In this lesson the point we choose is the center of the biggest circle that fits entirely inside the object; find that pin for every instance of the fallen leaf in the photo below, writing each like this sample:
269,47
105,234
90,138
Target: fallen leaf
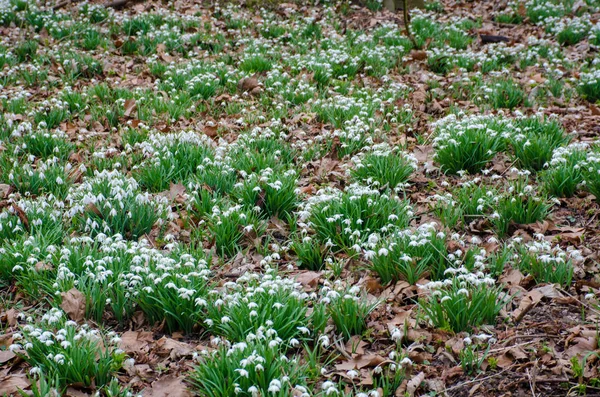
451,373
73,303
423,153
248,84
512,278
583,346
11,384
538,78
550,291
130,106
72,392
5,190
9,317
527,303
91,207
373,285
6,355
309,278
174,349
356,345
414,383
418,55
169,386
136,341
176,192
362,361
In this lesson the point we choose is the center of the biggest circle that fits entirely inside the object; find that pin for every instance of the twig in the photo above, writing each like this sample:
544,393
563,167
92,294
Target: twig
477,380
61,4
407,23
511,346
18,212
510,339
587,306
116,4
531,377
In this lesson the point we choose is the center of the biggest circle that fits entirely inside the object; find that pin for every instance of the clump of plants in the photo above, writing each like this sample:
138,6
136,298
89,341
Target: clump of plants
345,220
535,140
68,354
112,203
565,171
256,302
469,143
463,302
348,307
383,168
409,255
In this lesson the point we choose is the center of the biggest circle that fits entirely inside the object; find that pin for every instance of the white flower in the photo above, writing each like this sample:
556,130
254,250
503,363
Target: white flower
396,335
274,386
243,373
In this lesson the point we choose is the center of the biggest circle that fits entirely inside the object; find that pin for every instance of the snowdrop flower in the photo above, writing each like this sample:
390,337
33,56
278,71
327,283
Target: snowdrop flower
396,335
274,386
352,374
243,373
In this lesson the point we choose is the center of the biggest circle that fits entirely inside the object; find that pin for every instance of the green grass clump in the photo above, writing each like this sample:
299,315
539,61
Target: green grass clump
535,140
76,354
346,220
463,304
112,203
410,255
469,143
384,168
565,170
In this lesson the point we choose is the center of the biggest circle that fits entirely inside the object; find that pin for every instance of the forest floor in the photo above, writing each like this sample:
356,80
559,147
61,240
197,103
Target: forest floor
299,200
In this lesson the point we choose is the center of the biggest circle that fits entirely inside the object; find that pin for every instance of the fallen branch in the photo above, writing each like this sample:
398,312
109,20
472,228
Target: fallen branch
464,384
407,24
488,38
61,5
18,212
116,4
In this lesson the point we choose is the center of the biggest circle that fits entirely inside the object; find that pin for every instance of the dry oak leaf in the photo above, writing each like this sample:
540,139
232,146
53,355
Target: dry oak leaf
309,279
11,384
527,303
136,341
362,361
4,190
6,355
174,349
414,383
169,386
73,303
418,55
130,106
248,84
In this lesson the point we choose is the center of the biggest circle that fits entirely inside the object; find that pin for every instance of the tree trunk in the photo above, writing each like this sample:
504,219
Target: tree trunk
411,4
389,5
393,5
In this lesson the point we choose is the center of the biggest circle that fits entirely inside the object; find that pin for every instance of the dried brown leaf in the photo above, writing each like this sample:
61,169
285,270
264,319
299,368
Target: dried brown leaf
168,386
73,303
11,384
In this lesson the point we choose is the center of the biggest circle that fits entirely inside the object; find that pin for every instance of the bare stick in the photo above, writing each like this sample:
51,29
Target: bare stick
116,4
407,23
